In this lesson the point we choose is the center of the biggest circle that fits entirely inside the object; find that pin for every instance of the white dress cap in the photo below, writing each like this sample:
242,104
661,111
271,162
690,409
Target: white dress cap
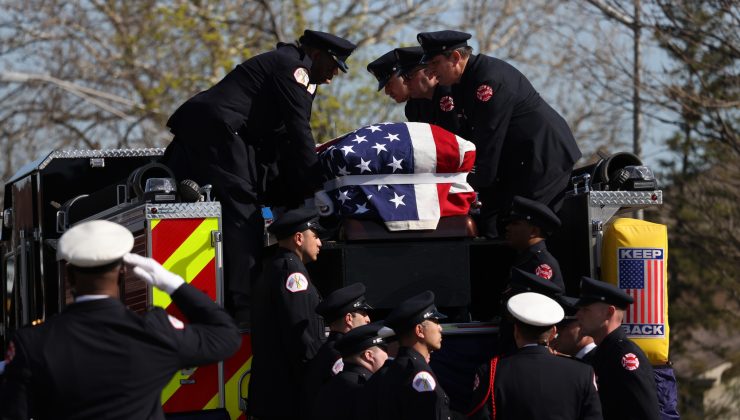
535,309
95,243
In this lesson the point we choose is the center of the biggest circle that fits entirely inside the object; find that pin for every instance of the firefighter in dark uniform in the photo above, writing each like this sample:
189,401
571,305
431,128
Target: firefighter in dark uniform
524,147
286,331
570,340
408,389
98,359
249,136
528,224
363,352
533,383
521,282
343,310
439,106
385,71
623,372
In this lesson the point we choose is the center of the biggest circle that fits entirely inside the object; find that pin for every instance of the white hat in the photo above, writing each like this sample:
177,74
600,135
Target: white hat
535,309
96,243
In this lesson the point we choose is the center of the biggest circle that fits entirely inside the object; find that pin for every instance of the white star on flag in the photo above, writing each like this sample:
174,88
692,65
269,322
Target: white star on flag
359,139
343,171
374,128
392,137
343,196
398,200
380,187
361,208
364,166
396,164
347,150
378,147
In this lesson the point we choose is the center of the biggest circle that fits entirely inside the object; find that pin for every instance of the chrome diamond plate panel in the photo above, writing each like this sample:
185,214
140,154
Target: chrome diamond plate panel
105,153
625,198
183,210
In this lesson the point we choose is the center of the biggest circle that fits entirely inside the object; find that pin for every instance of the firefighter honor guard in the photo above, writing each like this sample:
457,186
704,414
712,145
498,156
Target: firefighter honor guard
249,136
528,224
408,389
286,331
533,383
624,374
98,359
524,147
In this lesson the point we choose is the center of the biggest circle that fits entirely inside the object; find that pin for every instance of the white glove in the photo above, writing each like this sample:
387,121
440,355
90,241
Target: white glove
153,273
323,203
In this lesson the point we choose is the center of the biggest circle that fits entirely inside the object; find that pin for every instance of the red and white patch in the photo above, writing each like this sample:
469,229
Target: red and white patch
301,76
337,367
296,282
423,382
10,353
630,361
484,93
544,271
179,325
446,104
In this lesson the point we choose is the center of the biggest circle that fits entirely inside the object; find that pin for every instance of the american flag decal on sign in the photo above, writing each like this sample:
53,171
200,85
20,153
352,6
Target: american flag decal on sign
641,274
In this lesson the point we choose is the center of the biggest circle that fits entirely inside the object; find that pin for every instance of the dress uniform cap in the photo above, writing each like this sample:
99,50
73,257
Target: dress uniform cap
435,43
523,281
383,68
337,47
534,212
342,301
409,58
95,244
535,309
296,220
413,311
361,338
570,306
593,290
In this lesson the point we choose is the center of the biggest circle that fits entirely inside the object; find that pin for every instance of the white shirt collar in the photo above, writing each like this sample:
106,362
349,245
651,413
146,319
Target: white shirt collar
85,298
587,348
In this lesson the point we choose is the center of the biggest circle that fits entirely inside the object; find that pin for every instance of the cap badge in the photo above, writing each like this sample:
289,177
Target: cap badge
484,93
446,104
424,382
337,367
544,271
427,315
301,76
296,282
630,361
356,304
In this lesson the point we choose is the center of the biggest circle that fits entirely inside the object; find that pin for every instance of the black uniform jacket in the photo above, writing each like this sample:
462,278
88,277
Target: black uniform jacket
625,377
440,110
537,260
286,334
99,360
408,389
338,398
321,369
239,134
523,146
535,384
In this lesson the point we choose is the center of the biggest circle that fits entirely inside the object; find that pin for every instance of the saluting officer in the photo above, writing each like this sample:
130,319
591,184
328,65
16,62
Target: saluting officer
527,225
363,352
439,106
286,331
343,310
524,147
249,136
533,383
98,359
408,389
623,372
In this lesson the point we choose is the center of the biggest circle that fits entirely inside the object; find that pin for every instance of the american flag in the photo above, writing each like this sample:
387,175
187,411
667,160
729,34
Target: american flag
400,148
641,276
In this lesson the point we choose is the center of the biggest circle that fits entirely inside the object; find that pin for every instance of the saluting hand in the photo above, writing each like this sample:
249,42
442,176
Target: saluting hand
153,273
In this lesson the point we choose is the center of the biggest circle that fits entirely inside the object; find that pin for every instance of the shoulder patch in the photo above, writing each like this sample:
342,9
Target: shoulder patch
301,76
630,361
484,93
424,382
544,271
337,367
296,282
446,104
10,353
179,325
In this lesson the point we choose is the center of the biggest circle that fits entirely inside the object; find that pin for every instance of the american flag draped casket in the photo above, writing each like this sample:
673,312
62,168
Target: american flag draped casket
407,175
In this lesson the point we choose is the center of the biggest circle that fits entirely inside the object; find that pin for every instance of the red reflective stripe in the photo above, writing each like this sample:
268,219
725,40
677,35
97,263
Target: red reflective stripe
235,362
197,393
205,281
168,235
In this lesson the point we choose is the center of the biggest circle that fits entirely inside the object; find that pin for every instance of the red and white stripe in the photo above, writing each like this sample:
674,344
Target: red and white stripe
649,301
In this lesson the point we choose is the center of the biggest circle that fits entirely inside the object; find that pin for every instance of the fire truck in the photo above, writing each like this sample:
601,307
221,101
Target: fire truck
182,230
